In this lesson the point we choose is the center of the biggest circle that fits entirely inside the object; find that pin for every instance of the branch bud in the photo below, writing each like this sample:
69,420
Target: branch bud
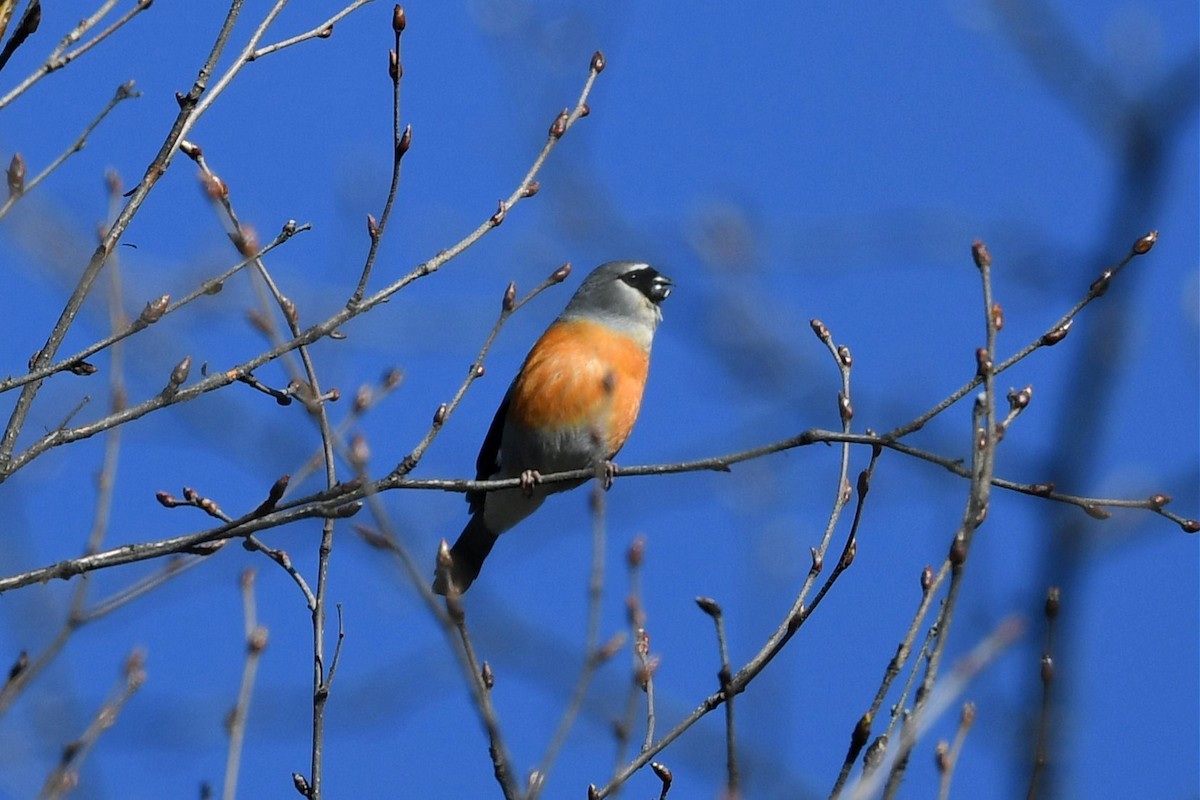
979,252
559,126
16,175
559,275
1143,245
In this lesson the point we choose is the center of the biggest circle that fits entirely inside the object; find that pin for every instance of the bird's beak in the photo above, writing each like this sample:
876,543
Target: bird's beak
660,288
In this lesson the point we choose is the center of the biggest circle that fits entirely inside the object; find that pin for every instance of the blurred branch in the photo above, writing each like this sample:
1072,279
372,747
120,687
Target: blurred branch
154,311
16,192
1041,756
594,654
947,693
256,643
156,169
65,776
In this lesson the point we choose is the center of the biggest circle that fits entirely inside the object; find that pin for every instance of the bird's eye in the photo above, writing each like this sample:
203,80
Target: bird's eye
650,282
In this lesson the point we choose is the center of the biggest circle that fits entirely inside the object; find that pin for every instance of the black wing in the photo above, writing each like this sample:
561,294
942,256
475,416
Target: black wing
488,462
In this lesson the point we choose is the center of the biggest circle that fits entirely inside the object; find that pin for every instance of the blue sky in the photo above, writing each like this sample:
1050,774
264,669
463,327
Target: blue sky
779,163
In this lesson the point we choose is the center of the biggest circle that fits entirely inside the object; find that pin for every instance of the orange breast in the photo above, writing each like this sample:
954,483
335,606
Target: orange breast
582,374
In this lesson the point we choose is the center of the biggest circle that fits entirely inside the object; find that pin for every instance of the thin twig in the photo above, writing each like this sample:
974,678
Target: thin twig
9,463
154,311
942,698
321,31
401,140
985,438
58,59
124,92
256,643
65,776
948,760
593,654
1053,335
1040,756
156,169
725,676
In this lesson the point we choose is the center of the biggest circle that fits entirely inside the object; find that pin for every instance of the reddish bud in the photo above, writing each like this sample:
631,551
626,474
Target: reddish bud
997,316
1019,398
636,552
439,416
180,374
1143,245
191,150
289,310
983,362
405,142
979,252
372,227
399,20
848,554
926,579
16,175
941,756
1101,284
559,126
1053,600
819,329
531,189
958,551
1055,336
501,213
1096,512
845,410
598,62
559,275
1190,525
154,310
1157,501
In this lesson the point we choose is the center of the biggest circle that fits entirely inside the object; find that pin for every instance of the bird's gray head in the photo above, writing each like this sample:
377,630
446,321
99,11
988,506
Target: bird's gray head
624,295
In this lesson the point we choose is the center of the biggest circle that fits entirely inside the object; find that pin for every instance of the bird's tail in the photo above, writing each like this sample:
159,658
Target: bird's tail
466,556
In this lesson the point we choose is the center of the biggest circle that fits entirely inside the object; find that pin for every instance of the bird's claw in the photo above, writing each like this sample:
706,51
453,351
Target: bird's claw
610,472
529,479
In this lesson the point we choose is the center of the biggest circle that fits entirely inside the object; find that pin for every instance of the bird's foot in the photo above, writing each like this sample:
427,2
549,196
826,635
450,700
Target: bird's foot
529,479
610,472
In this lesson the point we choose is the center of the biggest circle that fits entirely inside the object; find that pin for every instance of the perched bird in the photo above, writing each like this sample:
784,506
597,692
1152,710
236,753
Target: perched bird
572,405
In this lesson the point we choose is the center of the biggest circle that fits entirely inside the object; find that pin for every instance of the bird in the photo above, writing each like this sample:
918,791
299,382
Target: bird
572,405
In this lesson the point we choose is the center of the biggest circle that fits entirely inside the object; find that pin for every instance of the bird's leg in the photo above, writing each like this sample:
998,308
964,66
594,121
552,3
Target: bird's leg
529,479
610,472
